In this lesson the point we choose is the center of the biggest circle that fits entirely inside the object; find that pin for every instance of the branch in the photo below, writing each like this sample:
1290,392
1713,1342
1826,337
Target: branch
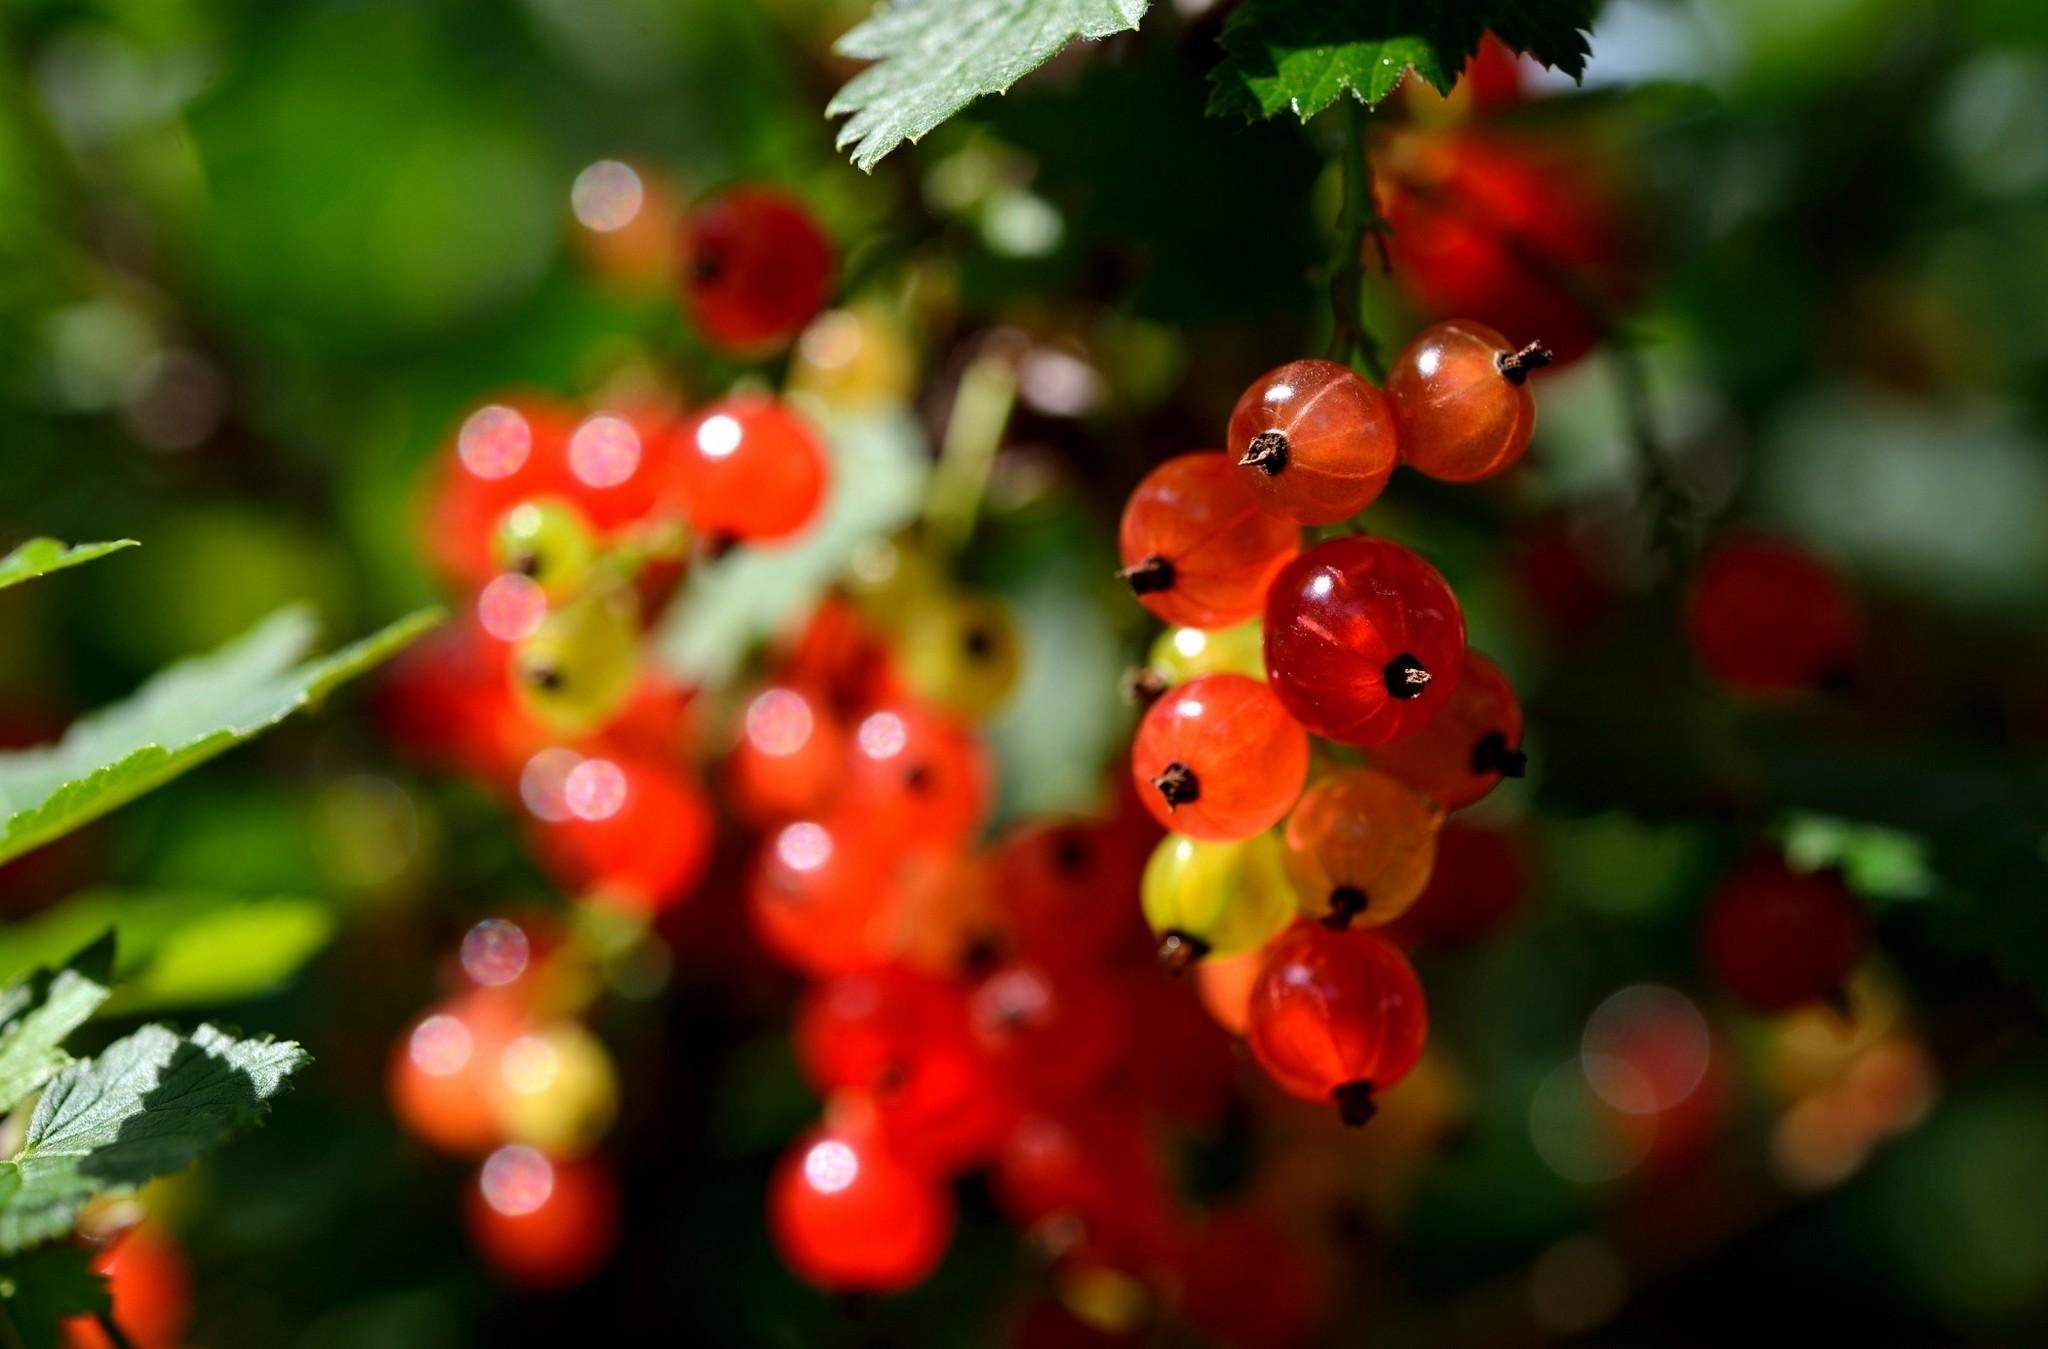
1357,219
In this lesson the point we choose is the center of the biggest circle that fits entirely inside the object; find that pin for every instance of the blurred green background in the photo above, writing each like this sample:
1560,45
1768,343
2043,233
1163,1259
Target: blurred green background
258,259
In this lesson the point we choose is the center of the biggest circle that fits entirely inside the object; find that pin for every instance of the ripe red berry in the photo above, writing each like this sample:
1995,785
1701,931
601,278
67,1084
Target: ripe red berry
820,899
749,468
1360,847
1313,440
915,773
1461,401
635,833
1067,885
1219,758
542,1223
1364,640
508,451
1337,1016
444,1071
1479,877
1464,752
151,1291
755,268
1054,1035
849,1215
1197,548
1766,615
1249,1283
790,760
1087,1181
1779,938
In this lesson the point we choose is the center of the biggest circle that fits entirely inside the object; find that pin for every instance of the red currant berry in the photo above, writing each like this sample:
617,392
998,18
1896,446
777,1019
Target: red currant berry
1360,847
849,1215
1469,747
1067,883
755,268
541,1223
1313,440
1364,641
1225,985
150,1288
1219,758
749,468
1337,1016
1249,1283
506,452
1768,616
635,833
915,773
790,759
1052,1036
443,1074
820,900
1086,1180
1461,400
1479,878
1779,938
1197,549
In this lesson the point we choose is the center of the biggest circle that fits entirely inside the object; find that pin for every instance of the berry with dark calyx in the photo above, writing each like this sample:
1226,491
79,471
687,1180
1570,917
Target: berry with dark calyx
1219,758
1462,402
1337,1017
916,773
1767,616
1197,549
1464,752
1359,847
1779,938
748,468
1364,640
549,541
755,268
577,670
1223,898
1067,885
960,651
1313,441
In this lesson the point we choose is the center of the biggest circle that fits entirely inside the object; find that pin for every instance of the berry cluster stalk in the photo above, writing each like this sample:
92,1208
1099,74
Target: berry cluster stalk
1357,219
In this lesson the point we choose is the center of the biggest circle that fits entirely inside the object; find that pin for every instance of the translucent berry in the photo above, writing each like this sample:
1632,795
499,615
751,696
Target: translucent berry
1197,549
1225,985
960,652
1768,616
1461,400
577,670
150,1287
1464,752
1219,758
755,268
1205,898
1181,654
557,1089
1359,848
748,468
1337,1016
442,1076
849,1216
1779,938
544,1224
1054,1034
1313,440
549,541
1087,1181
915,772
1364,641
790,760
819,900
1067,885
634,832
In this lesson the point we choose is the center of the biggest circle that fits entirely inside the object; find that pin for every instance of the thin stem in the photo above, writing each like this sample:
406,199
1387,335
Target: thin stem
1358,219
1666,500
112,1331
10,1334
974,432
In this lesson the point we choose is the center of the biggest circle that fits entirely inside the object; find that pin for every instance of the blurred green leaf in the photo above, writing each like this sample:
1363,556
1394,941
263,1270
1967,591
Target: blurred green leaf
178,949
182,717
40,557
1299,55
144,1108
44,1288
934,57
38,1011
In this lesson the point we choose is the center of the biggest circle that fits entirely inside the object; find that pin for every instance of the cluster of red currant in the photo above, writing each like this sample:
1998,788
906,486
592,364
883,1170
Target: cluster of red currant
1361,643
563,530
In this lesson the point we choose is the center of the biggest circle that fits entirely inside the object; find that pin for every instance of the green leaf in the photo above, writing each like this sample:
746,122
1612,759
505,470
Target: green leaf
146,1107
1299,55
37,1013
46,1287
182,717
40,557
934,57
177,948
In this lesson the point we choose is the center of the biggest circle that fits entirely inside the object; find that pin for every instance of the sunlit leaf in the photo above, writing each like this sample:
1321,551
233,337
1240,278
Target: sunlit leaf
40,557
